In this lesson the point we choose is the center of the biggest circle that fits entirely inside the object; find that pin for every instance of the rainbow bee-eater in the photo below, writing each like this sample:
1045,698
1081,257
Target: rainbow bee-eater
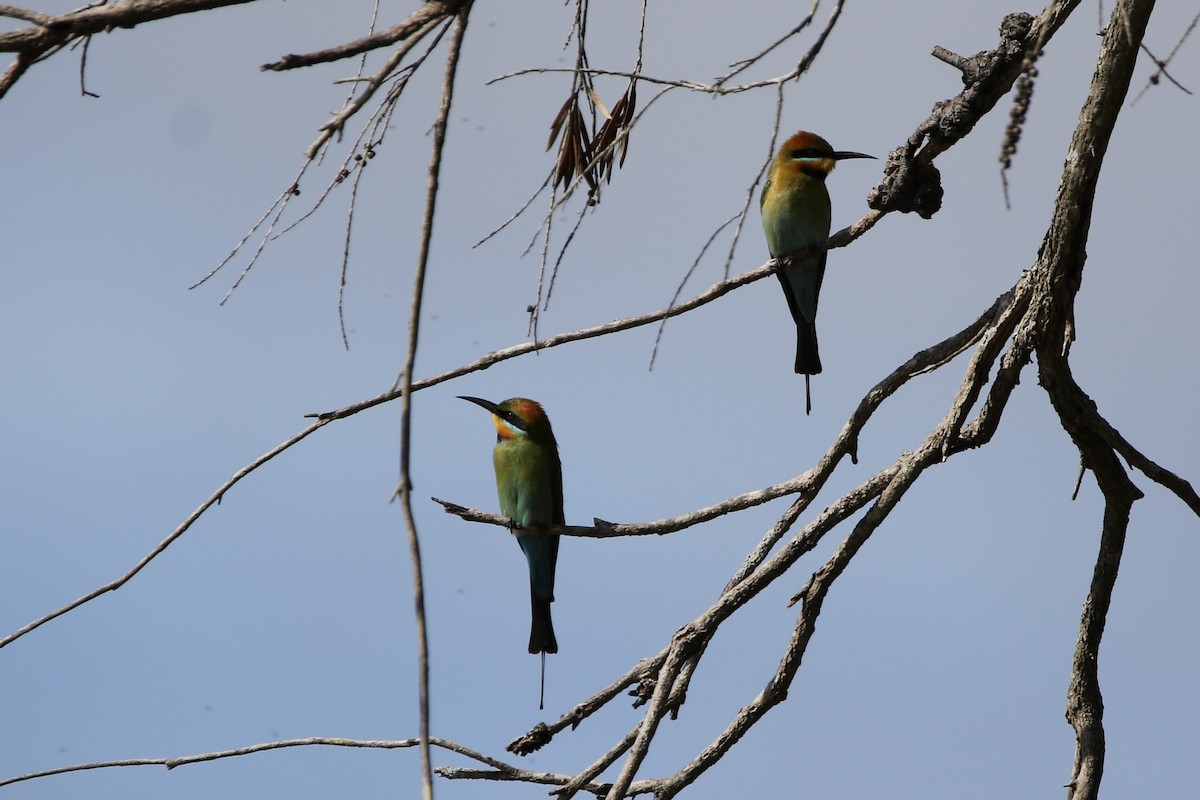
529,482
796,220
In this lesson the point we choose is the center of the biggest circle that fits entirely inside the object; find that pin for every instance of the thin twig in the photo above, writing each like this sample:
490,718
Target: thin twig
51,33
1154,79
337,122
745,63
273,212
416,25
312,741
212,500
686,276
404,490
370,137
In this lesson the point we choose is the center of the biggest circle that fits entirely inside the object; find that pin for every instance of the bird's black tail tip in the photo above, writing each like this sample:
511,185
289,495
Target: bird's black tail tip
541,632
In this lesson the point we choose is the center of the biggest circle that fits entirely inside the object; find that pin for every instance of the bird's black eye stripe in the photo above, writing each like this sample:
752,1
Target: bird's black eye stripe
810,152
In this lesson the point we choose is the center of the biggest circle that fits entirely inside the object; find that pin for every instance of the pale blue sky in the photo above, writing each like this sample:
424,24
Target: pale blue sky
941,659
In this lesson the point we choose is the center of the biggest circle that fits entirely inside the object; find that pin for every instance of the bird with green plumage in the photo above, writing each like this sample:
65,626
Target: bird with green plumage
796,218
529,483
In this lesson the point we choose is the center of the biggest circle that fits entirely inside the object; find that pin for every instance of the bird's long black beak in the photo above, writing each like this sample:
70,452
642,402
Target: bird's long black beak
487,404
843,154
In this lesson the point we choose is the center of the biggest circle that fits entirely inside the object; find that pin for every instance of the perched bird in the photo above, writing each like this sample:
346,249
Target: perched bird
796,220
529,482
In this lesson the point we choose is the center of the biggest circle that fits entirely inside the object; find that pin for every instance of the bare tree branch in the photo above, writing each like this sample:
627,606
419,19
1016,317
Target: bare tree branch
911,182
404,490
1161,73
312,741
1058,275
51,33
213,499
718,87
416,25
28,15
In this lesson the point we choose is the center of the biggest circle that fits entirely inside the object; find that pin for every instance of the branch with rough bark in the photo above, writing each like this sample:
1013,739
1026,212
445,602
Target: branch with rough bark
1058,276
